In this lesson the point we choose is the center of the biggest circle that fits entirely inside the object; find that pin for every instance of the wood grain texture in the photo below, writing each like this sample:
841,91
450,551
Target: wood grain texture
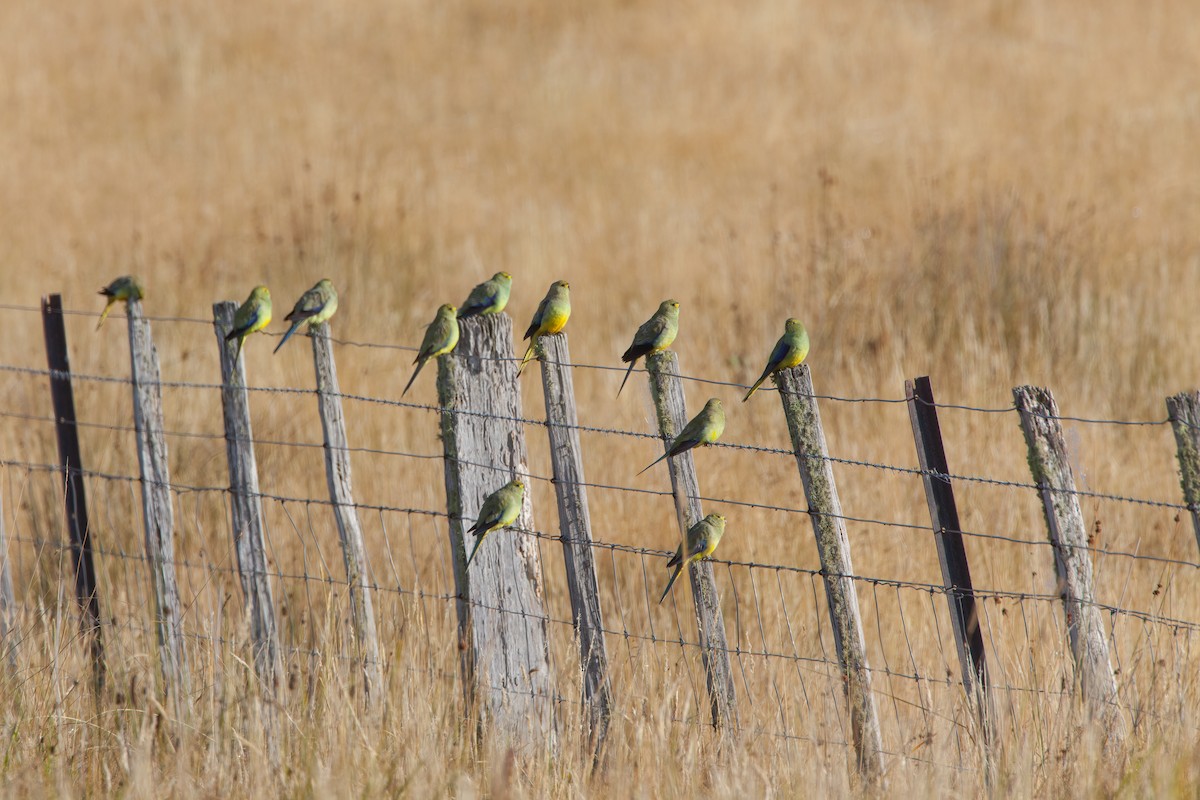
1050,466
833,547
246,515
576,529
666,390
158,514
501,607
339,479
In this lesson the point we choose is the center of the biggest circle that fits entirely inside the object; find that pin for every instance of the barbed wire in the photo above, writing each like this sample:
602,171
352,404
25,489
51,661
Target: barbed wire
633,434
688,378
721,501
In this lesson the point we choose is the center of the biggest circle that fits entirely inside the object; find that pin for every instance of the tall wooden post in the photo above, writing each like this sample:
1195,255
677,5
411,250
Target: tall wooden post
62,398
247,517
952,554
1184,412
341,494
576,528
1050,466
501,612
667,392
833,546
158,516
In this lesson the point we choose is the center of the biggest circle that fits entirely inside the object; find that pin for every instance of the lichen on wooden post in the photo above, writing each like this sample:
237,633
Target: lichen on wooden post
837,570
666,390
1184,412
1050,465
501,611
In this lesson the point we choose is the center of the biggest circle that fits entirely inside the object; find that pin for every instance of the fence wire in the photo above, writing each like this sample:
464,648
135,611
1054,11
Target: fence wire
788,680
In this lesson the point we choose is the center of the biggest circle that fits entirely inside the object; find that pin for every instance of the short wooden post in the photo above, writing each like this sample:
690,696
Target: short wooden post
62,398
341,494
833,545
947,532
666,390
9,636
501,615
158,515
246,512
576,528
1184,412
1050,466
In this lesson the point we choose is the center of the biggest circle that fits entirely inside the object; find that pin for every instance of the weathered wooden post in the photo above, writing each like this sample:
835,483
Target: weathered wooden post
62,398
247,519
8,607
576,528
833,546
158,515
666,390
501,615
952,554
1050,466
1184,412
341,494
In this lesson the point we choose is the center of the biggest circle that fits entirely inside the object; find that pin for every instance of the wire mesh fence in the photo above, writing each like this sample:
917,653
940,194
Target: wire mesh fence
789,683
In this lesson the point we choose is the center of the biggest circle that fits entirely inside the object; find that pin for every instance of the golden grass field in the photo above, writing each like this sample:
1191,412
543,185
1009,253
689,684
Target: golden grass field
993,193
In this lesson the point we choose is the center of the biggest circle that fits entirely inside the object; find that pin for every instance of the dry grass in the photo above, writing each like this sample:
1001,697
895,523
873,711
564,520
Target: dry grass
992,195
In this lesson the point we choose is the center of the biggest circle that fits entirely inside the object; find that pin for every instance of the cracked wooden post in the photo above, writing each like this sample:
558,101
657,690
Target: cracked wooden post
1050,465
62,399
576,528
157,512
833,546
666,390
341,495
952,555
1184,412
247,519
501,613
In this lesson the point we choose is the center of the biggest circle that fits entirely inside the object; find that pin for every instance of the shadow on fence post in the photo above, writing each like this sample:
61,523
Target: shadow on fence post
62,397
1050,466
956,573
667,393
246,517
1184,411
575,525
341,494
833,546
158,515
501,616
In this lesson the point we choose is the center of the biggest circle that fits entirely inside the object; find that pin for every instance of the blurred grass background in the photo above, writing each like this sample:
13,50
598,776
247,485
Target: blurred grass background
990,193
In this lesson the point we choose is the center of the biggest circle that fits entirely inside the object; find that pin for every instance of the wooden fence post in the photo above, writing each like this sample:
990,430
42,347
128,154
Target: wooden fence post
341,493
666,390
833,546
62,398
158,515
246,512
576,528
947,531
1184,411
501,615
8,631
1051,469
